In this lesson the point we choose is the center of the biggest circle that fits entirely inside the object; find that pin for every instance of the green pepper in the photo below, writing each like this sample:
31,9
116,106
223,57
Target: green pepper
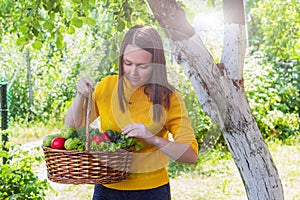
129,142
138,146
118,145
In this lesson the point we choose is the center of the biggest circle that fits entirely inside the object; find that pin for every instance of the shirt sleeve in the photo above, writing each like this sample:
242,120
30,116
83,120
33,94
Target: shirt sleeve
179,124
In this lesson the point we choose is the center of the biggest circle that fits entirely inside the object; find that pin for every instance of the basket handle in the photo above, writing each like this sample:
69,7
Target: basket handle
87,116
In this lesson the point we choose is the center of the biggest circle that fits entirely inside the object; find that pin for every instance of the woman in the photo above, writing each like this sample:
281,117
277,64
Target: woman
142,104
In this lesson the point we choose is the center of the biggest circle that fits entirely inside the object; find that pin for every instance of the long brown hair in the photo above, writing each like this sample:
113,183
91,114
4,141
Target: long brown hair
158,89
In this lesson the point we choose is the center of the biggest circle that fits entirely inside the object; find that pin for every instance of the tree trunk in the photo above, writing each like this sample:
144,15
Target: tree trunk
29,84
220,91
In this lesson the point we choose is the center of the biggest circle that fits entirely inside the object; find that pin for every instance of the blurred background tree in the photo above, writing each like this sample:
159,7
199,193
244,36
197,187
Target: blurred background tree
68,39
274,40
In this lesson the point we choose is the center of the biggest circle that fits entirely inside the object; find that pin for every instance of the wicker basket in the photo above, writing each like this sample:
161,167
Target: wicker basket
87,167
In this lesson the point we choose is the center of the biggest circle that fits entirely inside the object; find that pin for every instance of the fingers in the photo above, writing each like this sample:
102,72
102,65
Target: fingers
88,81
130,130
84,86
138,130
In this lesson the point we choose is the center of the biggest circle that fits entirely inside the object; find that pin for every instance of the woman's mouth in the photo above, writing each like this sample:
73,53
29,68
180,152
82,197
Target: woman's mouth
131,79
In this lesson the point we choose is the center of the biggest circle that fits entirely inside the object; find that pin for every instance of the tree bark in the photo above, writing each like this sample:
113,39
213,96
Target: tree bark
29,84
220,91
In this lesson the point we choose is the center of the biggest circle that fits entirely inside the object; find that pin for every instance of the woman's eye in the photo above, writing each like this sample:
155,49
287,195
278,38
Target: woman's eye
143,66
127,63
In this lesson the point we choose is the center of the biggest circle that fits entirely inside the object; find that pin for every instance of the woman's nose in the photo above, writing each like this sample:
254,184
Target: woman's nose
134,70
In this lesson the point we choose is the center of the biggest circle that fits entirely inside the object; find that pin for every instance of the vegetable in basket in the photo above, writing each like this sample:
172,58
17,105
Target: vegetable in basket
58,143
47,140
68,132
80,132
74,144
111,141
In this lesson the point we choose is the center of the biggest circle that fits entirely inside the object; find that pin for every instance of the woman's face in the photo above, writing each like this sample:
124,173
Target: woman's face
137,65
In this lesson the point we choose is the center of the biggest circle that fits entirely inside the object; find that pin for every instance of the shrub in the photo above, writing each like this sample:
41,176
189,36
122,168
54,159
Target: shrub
17,179
273,94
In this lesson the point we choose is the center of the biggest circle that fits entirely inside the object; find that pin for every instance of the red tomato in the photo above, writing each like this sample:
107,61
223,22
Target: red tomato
97,138
106,137
58,143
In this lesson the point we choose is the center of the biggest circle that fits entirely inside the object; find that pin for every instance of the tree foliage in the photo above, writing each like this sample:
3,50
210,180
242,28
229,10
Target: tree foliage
36,22
274,36
68,39
275,28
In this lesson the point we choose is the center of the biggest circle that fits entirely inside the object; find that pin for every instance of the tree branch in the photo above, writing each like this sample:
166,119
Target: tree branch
175,23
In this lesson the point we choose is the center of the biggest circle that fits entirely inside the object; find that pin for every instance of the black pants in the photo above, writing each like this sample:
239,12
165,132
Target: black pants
159,193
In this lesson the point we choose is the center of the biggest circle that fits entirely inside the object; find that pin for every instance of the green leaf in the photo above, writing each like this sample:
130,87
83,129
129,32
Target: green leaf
48,26
21,41
57,8
120,25
4,154
71,30
60,37
85,7
76,22
52,16
24,29
90,21
92,2
138,146
62,29
37,45
60,44
76,1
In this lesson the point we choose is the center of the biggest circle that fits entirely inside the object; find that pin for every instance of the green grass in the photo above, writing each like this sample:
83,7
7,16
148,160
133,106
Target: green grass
21,131
217,176
214,177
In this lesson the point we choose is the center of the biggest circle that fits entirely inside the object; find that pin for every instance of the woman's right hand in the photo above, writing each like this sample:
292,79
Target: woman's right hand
84,86
75,112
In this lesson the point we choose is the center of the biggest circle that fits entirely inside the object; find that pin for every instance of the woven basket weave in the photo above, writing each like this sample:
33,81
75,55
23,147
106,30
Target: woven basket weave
87,167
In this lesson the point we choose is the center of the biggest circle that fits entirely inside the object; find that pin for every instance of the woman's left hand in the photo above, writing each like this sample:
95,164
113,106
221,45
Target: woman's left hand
178,151
137,130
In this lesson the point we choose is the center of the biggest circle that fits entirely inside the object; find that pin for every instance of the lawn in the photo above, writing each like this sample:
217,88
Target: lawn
216,178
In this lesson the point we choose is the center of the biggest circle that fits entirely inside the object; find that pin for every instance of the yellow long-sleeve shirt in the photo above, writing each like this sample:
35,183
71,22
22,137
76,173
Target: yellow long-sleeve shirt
148,168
